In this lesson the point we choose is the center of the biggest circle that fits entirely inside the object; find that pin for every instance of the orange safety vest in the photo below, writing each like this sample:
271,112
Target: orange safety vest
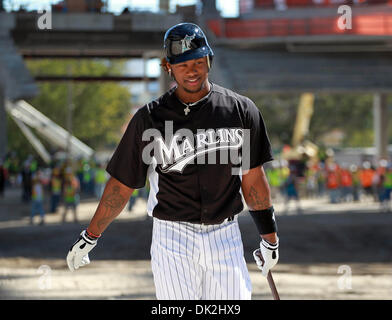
347,180
332,180
366,177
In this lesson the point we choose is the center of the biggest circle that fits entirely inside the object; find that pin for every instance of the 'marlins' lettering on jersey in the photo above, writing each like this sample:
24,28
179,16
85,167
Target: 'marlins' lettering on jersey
180,153
175,152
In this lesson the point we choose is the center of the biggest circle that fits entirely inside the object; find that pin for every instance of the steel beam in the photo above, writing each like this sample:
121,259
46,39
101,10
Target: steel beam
93,78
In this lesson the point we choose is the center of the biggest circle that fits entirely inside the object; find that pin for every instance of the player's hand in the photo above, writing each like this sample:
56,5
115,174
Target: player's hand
78,253
266,256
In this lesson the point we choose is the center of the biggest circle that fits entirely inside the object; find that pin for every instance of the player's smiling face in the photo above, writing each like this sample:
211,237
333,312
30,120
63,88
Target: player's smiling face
192,78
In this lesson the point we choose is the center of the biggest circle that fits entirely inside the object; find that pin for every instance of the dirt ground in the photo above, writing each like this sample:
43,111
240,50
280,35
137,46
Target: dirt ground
340,251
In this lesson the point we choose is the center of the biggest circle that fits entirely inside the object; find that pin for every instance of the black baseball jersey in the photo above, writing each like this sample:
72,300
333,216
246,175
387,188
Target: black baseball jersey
190,153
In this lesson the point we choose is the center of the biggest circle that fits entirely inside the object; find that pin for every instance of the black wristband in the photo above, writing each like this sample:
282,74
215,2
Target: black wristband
265,220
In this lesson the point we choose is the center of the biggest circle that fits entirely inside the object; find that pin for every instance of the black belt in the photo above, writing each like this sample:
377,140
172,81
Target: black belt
230,218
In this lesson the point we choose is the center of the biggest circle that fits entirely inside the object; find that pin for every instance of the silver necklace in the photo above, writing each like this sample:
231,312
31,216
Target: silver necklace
187,109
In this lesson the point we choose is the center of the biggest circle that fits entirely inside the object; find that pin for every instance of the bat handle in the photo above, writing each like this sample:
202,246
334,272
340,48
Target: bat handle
271,282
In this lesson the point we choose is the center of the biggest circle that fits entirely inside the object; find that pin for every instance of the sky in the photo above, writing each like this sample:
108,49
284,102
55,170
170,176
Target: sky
228,8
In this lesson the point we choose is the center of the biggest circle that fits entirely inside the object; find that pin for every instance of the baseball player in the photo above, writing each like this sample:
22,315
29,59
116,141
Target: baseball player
186,142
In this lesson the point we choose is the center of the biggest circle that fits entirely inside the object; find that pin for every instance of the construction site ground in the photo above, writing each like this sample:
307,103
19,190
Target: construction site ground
329,251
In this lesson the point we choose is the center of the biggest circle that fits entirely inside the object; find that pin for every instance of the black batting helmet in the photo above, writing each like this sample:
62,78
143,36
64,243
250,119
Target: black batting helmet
186,41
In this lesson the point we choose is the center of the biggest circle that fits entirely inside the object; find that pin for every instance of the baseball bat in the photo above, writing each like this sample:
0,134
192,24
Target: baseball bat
271,281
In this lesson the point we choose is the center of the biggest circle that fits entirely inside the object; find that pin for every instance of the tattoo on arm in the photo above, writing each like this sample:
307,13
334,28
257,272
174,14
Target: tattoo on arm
256,202
113,204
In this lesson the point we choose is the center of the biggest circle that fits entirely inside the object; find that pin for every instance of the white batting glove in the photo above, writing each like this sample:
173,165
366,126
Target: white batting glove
78,253
266,256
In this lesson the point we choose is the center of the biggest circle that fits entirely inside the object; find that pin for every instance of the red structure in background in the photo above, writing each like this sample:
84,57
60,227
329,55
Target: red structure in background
246,6
78,6
373,24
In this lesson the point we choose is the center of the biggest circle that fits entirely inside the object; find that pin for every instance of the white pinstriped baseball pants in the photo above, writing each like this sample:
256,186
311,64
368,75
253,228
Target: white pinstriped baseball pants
193,261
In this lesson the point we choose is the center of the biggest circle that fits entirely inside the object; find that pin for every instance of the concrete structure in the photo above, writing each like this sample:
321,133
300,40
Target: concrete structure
15,80
209,7
380,110
263,51
77,35
358,155
53,133
91,34
3,125
304,50
255,70
164,5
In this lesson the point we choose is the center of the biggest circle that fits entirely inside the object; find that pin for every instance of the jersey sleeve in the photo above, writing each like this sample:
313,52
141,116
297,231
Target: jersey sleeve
259,146
126,164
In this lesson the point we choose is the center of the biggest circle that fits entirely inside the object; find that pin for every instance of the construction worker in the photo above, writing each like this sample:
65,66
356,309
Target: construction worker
346,181
291,191
385,200
366,176
3,178
86,178
333,182
132,199
26,176
100,178
37,197
55,189
378,181
70,194
356,181
321,179
274,178
311,180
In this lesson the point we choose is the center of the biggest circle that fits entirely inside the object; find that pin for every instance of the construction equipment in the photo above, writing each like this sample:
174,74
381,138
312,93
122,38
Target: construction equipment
300,146
25,114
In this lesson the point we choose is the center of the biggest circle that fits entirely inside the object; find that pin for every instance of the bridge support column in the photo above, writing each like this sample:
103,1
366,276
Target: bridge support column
209,6
3,124
380,111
